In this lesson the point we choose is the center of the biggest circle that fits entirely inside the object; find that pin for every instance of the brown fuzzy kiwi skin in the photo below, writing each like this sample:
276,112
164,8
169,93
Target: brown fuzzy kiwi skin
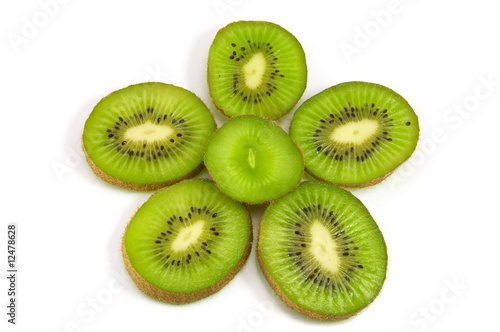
353,185
359,185
178,297
279,116
134,186
265,201
292,305
271,119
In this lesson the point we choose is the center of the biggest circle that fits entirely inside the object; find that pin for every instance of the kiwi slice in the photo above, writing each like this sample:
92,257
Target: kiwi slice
253,160
322,252
147,136
355,134
256,67
186,242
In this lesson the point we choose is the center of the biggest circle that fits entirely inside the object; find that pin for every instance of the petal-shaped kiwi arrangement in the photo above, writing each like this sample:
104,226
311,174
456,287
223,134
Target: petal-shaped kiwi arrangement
319,248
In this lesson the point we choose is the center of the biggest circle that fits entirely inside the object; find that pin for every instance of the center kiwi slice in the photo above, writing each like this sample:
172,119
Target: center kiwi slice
322,252
253,160
147,136
186,242
355,134
256,67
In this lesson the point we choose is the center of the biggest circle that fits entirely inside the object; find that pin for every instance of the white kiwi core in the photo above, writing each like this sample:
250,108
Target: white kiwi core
149,132
323,247
357,132
188,236
254,70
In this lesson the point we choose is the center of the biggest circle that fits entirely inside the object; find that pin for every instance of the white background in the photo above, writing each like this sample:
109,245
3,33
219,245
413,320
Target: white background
438,212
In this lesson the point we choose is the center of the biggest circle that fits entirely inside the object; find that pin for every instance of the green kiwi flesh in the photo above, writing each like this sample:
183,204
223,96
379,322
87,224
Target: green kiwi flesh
354,134
253,160
256,67
186,242
147,135
322,252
